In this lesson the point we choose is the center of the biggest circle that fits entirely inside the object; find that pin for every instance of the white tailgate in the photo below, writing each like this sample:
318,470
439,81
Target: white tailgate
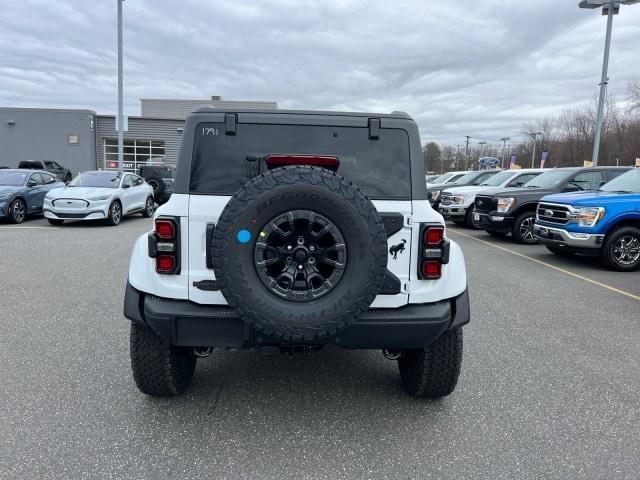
399,258
203,209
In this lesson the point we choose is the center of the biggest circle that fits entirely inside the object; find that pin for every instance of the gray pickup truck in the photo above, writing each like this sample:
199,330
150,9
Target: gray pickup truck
50,166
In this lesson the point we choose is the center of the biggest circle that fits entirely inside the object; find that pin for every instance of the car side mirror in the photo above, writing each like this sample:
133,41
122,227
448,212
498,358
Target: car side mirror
31,184
126,186
601,183
571,188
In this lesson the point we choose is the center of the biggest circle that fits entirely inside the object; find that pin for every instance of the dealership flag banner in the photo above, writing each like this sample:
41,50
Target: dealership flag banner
543,158
513,162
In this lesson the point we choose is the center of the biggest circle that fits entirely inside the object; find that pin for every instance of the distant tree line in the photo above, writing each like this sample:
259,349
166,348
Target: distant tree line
568,138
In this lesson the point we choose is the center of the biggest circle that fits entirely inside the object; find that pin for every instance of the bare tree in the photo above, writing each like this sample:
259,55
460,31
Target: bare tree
634,94
432,157
569,138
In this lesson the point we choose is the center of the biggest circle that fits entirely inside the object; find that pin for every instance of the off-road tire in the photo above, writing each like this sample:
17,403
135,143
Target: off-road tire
607,254
517,223
433,372
159,369
148,208
17,211
559,251
112,218
274,193
55,221
496,233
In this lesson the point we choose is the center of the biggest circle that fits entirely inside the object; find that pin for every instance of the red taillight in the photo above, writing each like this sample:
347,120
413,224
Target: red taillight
431,269
164,245
165,229
434,252
325,161
165,263
433,236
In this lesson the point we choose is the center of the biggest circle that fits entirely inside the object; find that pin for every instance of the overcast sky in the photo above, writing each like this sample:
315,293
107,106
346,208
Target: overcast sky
475,67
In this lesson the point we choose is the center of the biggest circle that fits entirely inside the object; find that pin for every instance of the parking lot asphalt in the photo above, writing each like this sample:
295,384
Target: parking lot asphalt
550,386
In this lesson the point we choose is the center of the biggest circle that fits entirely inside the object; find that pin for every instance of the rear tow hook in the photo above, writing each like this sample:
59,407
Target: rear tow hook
202,352
392,354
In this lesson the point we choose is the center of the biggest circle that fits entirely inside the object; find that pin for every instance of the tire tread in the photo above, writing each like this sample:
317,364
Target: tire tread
159,369
433,372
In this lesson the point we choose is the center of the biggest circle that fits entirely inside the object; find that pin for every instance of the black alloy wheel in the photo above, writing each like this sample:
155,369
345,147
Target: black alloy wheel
621,249
626,250
149,208
522,230
115,214
17,211
300,255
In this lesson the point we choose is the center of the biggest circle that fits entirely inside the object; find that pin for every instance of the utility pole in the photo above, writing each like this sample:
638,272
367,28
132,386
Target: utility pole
457,155
504,146
120,94
466,154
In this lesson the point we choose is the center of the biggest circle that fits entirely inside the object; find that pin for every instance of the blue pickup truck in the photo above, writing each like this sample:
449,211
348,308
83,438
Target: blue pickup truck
604,223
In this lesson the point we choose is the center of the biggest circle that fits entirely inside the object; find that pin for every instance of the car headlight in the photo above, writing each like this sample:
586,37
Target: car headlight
97,199
435,195
459,199
504,204
589,216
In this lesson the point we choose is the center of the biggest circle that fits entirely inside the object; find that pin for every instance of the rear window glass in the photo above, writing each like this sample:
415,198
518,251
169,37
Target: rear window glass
381,168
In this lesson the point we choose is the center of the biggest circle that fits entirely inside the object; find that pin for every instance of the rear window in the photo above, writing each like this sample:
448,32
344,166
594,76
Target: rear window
29,164
220,165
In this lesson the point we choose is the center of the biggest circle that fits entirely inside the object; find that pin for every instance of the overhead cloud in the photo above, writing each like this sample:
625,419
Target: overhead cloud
469,67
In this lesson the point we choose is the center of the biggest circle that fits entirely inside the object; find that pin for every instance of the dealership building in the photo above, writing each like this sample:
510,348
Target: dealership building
84,140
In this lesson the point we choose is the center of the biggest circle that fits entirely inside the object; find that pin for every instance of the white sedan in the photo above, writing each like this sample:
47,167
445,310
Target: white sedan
99,195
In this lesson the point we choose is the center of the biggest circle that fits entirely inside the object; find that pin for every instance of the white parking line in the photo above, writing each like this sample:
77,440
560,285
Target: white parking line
29,228
549,265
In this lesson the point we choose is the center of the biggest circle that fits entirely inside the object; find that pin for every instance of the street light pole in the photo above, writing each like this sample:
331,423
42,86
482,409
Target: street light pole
533,154
120,92
603,84
610,7
504,146
466,154
482,144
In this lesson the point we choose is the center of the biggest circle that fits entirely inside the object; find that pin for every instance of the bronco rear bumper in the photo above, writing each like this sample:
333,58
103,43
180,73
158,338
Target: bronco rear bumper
184,323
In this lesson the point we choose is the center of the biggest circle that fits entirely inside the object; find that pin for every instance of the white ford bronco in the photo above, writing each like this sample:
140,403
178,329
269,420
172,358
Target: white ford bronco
291,230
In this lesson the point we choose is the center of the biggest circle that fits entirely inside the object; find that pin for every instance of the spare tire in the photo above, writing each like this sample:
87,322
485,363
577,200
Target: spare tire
300,253
157,184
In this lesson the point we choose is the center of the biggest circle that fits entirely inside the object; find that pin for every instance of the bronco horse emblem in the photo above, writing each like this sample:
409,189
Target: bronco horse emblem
396,249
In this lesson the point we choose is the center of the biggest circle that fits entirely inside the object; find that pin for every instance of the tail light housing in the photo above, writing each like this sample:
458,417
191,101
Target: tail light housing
164,245
434,251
